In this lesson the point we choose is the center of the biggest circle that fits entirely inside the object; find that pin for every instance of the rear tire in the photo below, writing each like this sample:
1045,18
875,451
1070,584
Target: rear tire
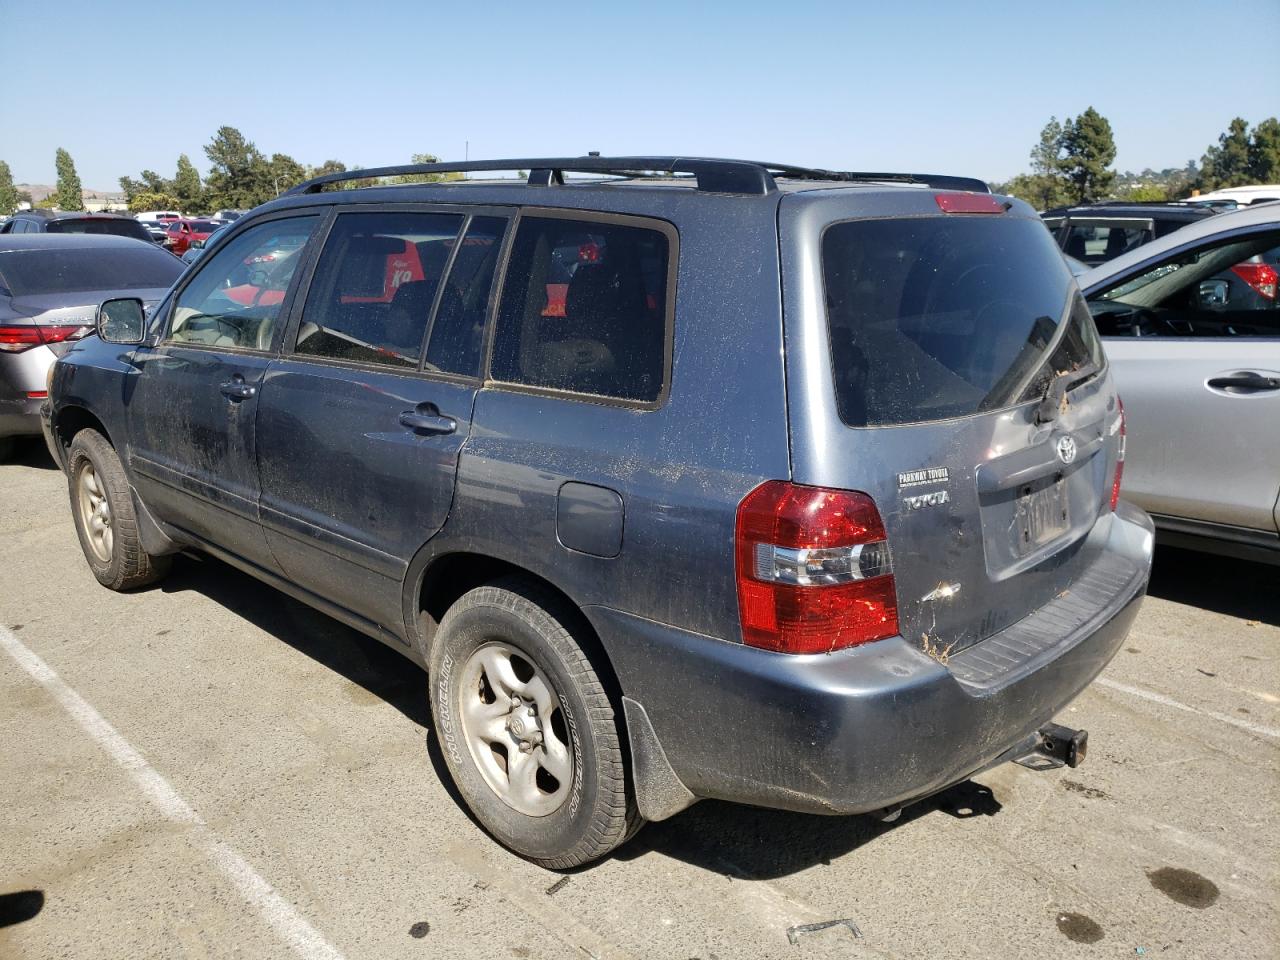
527,730
6,448
105,520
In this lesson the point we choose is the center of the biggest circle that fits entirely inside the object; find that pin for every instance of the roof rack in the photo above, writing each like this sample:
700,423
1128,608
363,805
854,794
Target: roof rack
712,175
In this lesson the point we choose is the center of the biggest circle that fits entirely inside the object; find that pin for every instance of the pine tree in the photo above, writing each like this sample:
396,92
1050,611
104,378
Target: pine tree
8,192
68,195
1089,149
1264,152
187,187
1227,163
236,171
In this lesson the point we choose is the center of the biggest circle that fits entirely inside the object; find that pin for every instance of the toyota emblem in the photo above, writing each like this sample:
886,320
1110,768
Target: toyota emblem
1066,449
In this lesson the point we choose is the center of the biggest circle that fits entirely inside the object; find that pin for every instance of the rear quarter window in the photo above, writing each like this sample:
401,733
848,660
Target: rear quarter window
585,308
932,318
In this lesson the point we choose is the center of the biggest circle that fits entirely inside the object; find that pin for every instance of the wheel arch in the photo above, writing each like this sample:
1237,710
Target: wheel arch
71,419
437,581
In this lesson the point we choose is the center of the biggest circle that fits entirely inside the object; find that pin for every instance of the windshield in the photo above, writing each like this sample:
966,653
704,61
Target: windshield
939,317
35,272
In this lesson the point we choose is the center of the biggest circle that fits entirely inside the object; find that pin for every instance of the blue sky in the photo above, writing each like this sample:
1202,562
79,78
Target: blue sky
938,87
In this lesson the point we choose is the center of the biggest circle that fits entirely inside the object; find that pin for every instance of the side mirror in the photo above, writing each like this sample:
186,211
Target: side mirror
122,321
197,244
1212,294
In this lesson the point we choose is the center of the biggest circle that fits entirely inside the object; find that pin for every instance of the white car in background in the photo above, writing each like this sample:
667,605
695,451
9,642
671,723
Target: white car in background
1191,325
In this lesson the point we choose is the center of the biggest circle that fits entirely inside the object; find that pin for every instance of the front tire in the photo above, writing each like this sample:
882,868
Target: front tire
104,516
526,728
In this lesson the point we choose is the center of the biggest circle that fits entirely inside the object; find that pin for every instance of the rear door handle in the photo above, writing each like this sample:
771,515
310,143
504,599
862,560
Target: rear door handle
1245,382
237,389
429,420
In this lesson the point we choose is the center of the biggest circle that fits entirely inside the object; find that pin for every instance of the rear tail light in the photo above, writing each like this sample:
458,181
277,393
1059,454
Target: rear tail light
813,569
18,339
1115,481
1261,277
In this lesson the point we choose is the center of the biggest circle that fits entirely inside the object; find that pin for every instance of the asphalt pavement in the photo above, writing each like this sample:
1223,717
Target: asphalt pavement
209,769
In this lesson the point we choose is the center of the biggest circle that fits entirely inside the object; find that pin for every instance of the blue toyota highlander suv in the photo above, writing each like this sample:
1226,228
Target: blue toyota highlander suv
691,478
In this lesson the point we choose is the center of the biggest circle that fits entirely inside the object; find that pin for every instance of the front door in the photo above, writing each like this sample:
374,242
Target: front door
363,417
1194,340
193,415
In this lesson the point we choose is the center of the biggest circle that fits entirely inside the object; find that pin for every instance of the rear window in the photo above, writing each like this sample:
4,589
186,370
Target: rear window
203,226
34,272
114,228
939,317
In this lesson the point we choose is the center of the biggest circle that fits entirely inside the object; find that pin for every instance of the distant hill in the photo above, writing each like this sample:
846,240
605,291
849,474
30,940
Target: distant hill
39,191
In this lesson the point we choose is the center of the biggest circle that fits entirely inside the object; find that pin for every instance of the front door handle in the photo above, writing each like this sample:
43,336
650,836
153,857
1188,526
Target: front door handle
427,418
237,389
1244,382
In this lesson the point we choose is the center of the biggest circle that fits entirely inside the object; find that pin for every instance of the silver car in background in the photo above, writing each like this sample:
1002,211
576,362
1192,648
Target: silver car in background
50,286
1191,325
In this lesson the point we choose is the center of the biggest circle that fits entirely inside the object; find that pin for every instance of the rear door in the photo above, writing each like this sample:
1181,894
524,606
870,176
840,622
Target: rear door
1194,340
363,417
920,344
194,406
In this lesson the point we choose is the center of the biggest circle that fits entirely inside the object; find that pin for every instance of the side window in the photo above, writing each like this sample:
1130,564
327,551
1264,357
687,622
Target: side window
235,298
457,333
374,286
1223,289
584,309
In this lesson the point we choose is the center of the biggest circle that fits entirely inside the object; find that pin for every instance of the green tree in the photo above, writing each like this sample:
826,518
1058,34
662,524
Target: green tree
69,195
1088,149
187,187
427,177
1047,185
281,172
148,182
1227,163
237,171
1264,152
8,192
153,201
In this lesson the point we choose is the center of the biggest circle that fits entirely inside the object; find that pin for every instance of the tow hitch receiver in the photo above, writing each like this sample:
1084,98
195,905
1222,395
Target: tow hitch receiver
1057,745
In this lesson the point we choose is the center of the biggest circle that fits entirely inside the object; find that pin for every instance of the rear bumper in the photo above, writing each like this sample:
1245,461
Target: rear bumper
19,418
873,726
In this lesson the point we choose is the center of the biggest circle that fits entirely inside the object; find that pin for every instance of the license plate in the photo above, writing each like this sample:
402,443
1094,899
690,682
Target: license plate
1042,514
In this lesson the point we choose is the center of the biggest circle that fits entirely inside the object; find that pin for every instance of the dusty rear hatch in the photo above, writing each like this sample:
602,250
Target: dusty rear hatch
921,347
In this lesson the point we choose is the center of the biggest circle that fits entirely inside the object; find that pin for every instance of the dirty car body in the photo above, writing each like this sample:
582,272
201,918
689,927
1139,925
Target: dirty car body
810,512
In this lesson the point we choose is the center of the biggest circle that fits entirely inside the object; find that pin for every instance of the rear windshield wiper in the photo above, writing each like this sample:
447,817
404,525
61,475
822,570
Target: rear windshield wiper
1056,389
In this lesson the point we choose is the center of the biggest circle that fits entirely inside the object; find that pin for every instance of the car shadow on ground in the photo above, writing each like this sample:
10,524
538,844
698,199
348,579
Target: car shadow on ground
1237,588
363,660
31,452
733,840
750,843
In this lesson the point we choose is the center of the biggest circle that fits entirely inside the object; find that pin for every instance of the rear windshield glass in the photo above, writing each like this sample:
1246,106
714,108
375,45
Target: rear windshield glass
115,228
203,226
34,272
939,317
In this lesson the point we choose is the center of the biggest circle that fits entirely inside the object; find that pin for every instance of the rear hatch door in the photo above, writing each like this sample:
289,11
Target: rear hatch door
945,364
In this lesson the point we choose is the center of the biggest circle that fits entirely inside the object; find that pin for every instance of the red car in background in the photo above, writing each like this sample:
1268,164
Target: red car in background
179,233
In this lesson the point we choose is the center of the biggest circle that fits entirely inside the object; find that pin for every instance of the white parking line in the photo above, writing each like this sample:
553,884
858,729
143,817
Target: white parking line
279,914
1160,698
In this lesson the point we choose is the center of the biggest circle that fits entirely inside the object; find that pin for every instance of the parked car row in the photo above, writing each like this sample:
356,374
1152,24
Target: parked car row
168,228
